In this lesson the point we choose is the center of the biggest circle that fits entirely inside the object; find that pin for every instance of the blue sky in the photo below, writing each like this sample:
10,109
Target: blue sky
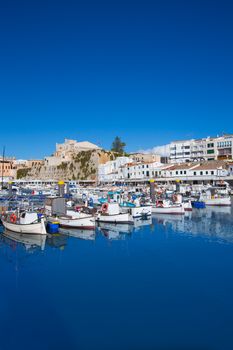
148,71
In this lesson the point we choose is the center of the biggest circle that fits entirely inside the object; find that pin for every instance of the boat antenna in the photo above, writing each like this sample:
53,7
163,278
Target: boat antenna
3,162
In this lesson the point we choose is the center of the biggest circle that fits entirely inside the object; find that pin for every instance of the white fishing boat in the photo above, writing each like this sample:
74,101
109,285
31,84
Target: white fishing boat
73,219
216,200
219,201
111,213
137,211
26,222
164,206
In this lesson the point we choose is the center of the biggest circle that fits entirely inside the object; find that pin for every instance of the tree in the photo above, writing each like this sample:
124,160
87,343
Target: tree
118,145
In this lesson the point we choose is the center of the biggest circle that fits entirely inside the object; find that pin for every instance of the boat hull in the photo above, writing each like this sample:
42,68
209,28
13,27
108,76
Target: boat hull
187,206
35,229
115,219
218,202
168,210
138,212
86,223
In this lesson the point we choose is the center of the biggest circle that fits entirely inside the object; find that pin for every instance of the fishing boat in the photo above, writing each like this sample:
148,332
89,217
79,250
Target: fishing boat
165,206
74,219
26,222
137,211
216,200
111,213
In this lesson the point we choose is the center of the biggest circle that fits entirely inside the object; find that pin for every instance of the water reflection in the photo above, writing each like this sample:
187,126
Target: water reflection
88,235
214,222
116,231
57,240
139,223
30,242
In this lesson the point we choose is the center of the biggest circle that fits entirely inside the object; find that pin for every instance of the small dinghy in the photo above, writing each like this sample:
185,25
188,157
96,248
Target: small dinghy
26,222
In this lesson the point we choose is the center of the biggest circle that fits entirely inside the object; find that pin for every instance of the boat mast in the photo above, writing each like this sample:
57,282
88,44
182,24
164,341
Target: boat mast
3,162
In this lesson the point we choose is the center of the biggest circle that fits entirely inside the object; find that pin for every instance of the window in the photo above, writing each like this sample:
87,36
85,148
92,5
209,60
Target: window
212,172
206,172
210,151
201,172
210,145
194,173
176,172
185,172
181,172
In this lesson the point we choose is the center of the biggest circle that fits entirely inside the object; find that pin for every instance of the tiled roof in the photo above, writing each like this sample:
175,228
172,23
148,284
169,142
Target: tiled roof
211,165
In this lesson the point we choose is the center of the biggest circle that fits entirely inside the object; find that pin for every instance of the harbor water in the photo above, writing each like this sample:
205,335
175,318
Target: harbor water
165,283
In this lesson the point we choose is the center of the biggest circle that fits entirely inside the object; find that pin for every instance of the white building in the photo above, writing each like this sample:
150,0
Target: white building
207,169
113,170
210,148
142,170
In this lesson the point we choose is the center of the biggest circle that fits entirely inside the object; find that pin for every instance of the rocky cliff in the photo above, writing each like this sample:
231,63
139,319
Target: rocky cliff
82,166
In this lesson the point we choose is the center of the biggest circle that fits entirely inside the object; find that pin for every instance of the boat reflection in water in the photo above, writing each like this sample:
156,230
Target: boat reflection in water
115,231
214,222
138,223
57,240
31,242
88,235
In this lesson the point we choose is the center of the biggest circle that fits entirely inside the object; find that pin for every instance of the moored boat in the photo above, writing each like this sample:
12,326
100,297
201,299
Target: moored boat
73,219
164,206
110,213
217,200
26,222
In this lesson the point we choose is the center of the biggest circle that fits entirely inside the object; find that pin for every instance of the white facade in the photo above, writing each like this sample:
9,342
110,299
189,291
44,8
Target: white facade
123,170
113,170
145,170
188,150
214,148
206,169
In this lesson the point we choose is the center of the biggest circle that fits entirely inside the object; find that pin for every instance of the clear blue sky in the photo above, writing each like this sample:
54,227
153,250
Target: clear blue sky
148,71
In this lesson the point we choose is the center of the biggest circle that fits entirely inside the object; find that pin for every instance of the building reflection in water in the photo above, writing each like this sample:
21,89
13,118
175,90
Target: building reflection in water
214,222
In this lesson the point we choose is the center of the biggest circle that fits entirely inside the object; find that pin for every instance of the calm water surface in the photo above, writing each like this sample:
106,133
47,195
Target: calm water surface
166,284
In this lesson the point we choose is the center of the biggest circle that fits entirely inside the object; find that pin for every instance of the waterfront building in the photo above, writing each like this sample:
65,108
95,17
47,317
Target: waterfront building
142,170
124,171
113,170
206,149
186,171
124,168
